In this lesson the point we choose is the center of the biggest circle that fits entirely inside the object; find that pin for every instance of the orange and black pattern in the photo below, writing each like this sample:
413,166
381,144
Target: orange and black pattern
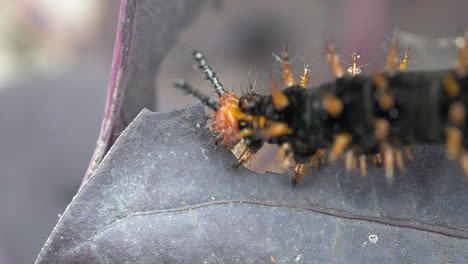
360,117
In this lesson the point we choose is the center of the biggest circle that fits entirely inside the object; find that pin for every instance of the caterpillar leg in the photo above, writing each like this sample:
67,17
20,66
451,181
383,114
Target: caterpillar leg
388,161
334,60
342,140
318,158
453,131
248,147
464,163
363,165
301,167
244,157
377,159
284,158
299,170
388,158
350,161
408,153
251,142
400,163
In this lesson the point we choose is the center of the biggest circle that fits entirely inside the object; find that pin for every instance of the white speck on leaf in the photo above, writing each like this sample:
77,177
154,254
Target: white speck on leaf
298,258
373,238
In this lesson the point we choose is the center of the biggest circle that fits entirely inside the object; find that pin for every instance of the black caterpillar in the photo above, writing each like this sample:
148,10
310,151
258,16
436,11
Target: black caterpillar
375,116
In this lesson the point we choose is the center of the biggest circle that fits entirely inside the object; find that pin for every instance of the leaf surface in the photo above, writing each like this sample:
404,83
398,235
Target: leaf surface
163,195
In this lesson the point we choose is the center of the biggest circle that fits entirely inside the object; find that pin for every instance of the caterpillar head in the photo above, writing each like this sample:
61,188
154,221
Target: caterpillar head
227,110
249,102
225,120
233,109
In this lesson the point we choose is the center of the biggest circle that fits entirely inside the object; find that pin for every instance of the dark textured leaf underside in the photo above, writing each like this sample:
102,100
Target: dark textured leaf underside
162,195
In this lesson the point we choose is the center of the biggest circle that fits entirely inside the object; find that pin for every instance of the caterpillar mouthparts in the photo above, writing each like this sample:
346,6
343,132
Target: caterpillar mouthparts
374,116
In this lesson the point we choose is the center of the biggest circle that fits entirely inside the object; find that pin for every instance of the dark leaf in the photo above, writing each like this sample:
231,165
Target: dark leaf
162,195
146,32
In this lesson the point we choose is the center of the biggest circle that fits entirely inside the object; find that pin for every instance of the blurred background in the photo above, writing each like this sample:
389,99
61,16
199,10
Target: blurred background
55,58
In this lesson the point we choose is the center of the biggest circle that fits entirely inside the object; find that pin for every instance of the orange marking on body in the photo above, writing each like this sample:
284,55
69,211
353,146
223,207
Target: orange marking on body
386,101
262,121
246,132
379,80
225,120
451,86
332,104
280,101
245,117
457,113
381,128
384,98
276,129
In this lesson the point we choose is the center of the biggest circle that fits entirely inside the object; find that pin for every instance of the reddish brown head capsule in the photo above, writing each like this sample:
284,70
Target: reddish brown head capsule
225,121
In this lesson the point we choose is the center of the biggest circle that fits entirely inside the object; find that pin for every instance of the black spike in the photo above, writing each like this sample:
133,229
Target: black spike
210,74
205,99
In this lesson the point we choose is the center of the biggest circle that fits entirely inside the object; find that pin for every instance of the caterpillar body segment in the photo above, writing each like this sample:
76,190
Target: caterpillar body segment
362,117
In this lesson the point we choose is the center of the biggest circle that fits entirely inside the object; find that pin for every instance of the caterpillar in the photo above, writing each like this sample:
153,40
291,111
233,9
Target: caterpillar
362,117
